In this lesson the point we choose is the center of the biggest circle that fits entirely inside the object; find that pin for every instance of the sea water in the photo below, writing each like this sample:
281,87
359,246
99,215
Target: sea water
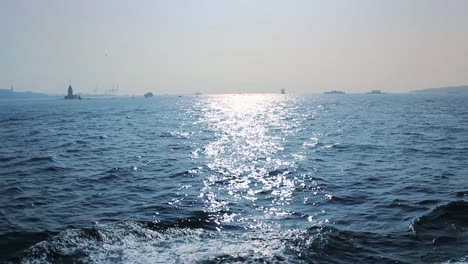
235,178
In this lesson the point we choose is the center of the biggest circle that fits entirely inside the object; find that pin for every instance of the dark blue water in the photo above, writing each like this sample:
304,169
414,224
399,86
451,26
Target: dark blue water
235,178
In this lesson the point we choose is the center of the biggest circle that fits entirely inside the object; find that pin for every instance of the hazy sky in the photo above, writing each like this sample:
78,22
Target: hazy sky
217,46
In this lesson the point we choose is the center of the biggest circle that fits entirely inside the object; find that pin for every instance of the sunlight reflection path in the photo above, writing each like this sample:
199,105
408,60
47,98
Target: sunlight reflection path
250,169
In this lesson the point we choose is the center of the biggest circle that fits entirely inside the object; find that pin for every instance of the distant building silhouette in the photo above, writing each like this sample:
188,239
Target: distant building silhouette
70,94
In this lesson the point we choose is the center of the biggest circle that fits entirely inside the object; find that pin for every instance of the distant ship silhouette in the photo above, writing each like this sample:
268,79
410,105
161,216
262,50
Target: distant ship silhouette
147,95
335,92
283,91
375,92
71,95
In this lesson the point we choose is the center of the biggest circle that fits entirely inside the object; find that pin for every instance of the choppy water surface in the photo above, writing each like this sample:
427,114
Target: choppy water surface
235,178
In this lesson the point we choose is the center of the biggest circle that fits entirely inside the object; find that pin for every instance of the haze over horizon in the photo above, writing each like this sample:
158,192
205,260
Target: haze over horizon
232,46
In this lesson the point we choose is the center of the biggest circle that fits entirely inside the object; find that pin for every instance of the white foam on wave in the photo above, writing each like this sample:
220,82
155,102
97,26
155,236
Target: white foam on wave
463,260
130,242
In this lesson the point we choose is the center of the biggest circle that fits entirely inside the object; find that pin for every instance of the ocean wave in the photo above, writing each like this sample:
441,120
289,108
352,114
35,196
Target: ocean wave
14,119
6,159
113,175
462,260
463,194
443,222
12,244
197,239
51,169
145,242
41,159
149,242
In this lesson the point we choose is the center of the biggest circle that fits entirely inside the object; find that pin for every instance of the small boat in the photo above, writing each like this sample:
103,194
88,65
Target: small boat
148,95
283,91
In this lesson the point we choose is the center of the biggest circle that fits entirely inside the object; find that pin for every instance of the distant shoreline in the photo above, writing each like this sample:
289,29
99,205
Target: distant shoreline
9,94
463,89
